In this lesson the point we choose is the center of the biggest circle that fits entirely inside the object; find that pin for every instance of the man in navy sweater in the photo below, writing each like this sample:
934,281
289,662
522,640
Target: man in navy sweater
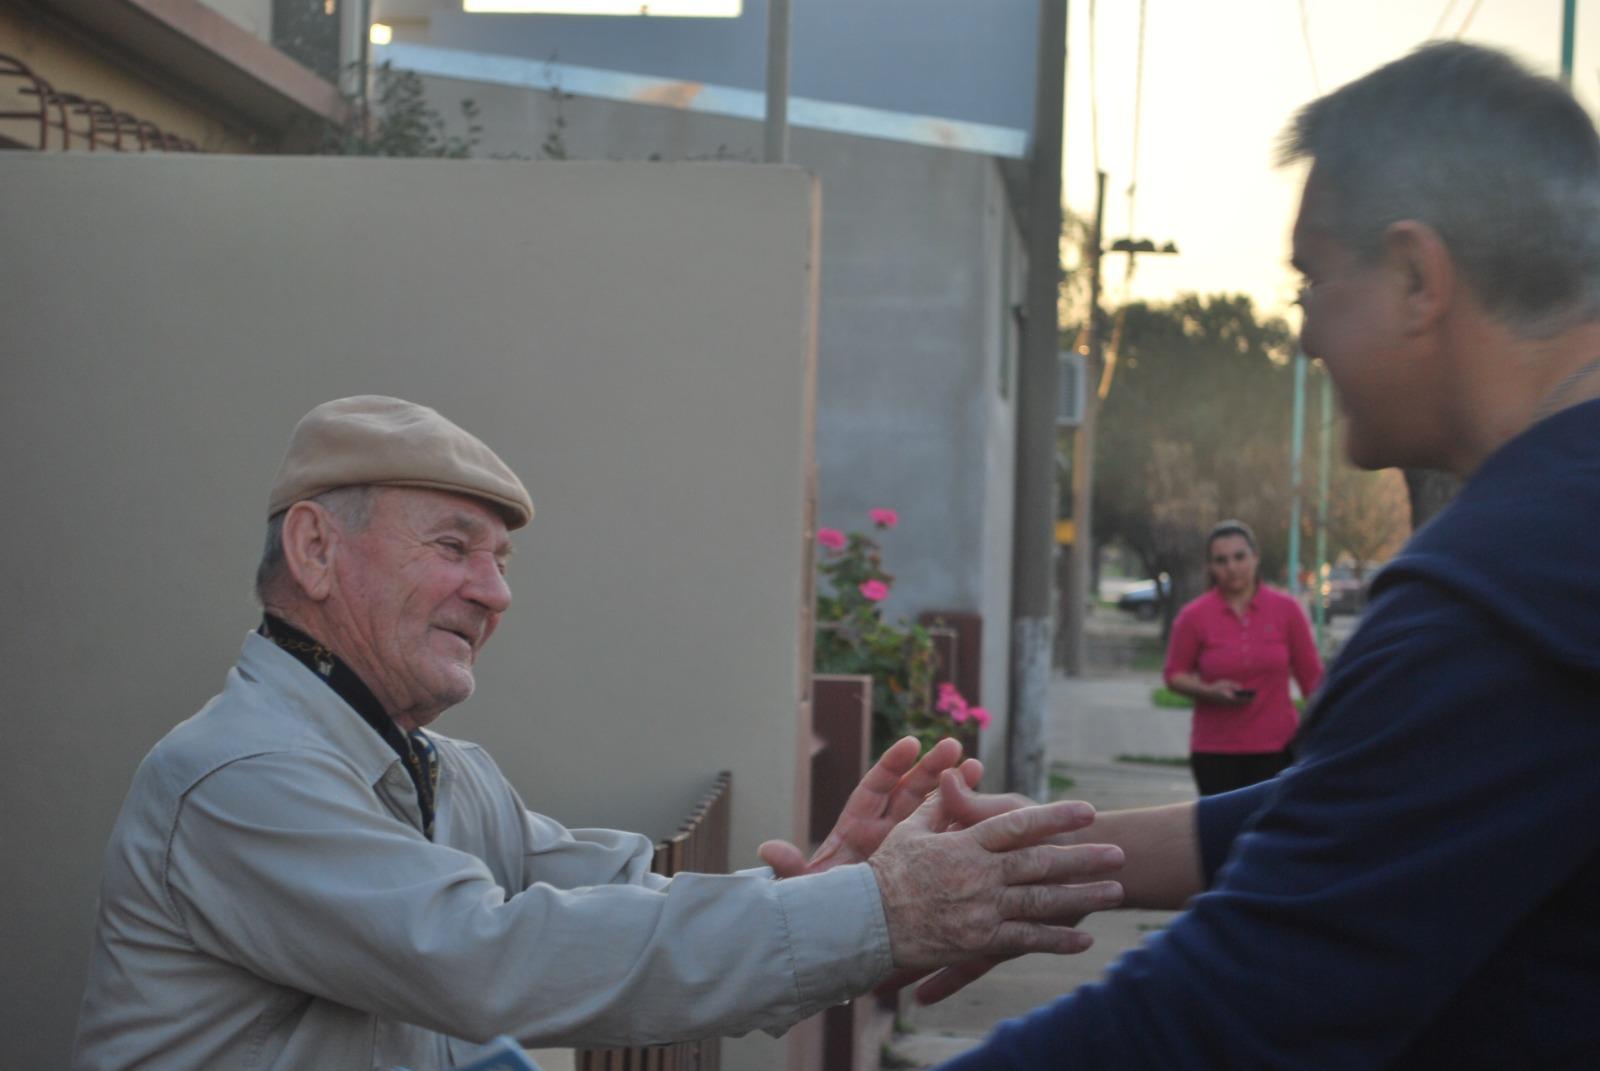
1422,888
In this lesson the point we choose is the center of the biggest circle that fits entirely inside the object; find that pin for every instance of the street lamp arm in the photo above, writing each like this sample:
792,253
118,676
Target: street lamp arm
1141,245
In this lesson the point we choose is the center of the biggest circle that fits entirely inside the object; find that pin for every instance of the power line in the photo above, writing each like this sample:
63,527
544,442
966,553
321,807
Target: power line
1305,34
1109,353
1133,165
1476,4
1094,95
1444,16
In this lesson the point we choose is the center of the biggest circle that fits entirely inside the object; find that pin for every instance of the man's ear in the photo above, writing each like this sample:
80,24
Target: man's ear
1424,271
310,541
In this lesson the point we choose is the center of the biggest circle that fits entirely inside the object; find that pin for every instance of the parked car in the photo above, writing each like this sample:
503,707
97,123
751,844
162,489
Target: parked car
1144,599
1343,592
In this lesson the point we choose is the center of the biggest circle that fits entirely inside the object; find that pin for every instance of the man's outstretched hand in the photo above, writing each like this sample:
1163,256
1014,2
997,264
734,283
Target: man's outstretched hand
961,807
994,889
895,787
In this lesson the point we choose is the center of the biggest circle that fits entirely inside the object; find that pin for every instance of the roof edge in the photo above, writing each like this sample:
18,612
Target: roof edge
195,45
959,135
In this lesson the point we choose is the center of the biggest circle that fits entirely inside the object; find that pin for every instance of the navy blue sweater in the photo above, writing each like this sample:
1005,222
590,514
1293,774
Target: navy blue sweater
1422,888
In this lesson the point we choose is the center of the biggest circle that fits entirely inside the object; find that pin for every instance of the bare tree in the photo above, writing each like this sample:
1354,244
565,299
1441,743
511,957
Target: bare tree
1430,492
1368,514
1184,504
1208,373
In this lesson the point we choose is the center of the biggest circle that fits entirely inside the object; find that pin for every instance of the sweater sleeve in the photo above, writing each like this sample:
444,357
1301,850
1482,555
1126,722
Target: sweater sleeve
1218,820
1378,878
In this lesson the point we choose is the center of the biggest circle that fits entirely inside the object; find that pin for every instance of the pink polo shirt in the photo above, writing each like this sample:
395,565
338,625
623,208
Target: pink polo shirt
1257,649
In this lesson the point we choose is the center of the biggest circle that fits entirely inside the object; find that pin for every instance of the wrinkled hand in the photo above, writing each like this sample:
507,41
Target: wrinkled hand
994,889
894,788
962,807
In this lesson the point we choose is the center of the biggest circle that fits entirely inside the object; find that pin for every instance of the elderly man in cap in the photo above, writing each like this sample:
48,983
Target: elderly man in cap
305,875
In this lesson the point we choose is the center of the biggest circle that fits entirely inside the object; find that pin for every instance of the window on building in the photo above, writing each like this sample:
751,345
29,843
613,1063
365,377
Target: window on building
308,31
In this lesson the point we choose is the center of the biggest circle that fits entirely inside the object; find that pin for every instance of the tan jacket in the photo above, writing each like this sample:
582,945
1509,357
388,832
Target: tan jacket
269,901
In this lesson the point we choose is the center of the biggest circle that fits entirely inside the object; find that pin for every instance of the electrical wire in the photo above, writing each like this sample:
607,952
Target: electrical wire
1444,16
1311,56
1110,351
1138,119
1473,10
1094,95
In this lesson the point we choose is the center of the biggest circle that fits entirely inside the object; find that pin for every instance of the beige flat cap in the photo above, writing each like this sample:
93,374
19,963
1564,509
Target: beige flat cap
387,442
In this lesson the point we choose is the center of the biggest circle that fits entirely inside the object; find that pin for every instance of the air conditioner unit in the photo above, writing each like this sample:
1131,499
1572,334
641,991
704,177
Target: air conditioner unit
1070,394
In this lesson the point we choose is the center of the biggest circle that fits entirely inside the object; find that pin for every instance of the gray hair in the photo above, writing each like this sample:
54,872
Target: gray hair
350,506
1503,163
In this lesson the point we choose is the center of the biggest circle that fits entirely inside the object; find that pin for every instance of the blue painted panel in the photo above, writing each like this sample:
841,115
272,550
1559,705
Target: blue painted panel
968,60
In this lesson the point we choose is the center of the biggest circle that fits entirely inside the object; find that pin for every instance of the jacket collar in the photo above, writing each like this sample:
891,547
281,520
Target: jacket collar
308,707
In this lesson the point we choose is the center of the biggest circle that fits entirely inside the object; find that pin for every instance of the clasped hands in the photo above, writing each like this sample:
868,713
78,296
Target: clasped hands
968,880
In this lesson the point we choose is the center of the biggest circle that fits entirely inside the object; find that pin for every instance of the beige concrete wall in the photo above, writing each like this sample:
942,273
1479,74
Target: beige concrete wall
635,339
918,344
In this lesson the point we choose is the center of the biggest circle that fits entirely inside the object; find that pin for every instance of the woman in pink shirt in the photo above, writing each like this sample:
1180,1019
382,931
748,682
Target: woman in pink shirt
1232,652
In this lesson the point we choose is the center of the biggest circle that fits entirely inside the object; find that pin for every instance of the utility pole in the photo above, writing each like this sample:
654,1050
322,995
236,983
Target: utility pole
776,133
1038,372
1297,490
1297,481
1078,594
1326,450
1080,564
1569,19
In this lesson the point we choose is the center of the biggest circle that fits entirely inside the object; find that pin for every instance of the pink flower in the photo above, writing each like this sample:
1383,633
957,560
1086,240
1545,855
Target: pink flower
874,590
980,716
884,517
831,538
951,702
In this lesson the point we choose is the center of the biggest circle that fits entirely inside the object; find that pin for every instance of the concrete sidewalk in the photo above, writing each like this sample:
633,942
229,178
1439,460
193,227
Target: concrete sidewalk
1093,720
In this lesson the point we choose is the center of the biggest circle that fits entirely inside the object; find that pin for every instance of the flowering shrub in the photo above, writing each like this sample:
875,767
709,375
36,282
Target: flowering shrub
853,637
831,538
953,703
873,590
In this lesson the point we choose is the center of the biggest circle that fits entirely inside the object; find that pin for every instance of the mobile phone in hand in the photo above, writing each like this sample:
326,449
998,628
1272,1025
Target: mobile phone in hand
1246,694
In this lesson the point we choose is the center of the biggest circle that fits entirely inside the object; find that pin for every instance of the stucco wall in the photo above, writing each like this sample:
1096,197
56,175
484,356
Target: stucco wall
916,380
634,339
922,268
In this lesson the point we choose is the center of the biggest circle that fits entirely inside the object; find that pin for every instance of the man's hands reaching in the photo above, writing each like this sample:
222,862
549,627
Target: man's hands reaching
943,896
993,889
894,788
